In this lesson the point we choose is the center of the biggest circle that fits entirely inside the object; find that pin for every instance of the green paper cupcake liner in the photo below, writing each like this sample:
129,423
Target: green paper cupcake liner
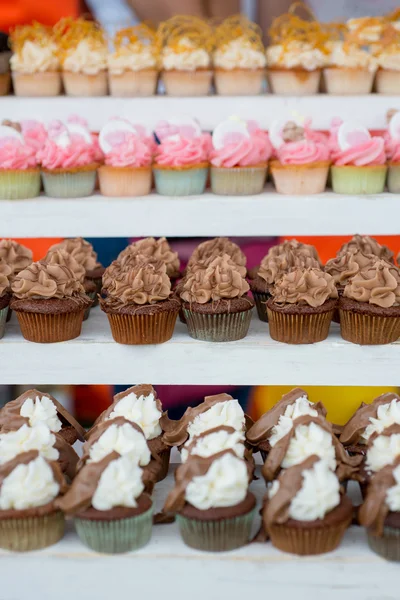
387,545
216,536
3,319
18,185
260,299
115,537
358,180
77,184
393,180
226,327
180,182
238,181
92,296
31,533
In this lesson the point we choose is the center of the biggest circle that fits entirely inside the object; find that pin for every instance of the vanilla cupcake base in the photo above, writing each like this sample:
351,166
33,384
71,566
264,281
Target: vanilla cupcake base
187,83
344,81
293,82
300,179
81,84
124,181
239,82
133,83
47,83
387,82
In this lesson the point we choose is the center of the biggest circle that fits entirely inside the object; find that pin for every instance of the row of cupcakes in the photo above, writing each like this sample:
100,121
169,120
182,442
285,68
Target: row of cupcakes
236,158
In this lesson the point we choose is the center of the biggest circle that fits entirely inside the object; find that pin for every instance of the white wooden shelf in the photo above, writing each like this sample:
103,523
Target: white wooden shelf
267,214
94,358
369,110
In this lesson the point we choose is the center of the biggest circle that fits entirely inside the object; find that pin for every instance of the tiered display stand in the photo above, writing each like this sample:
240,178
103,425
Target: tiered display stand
166,568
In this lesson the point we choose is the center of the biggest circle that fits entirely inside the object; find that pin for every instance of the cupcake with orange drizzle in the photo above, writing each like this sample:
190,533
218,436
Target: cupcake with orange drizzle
35,66
186,44
388,61
239,57
83,56
133,66
296,55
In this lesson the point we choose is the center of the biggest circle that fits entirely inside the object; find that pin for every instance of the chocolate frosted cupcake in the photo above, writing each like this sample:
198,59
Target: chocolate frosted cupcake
5,55
215,302
302,306
112,513
370,306
366,245
17,256
29,517
139,305
37,408
84,254
217,247
212,502
49,302
153,251
5,294
305,511
275,423
347,265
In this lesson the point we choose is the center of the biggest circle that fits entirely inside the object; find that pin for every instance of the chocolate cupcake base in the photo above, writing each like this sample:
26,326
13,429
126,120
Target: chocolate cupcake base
365,324
31,533
294,324
387,545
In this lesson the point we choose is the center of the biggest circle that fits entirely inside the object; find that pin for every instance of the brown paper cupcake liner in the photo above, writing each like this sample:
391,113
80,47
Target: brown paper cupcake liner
226,327
368,329
31,533
261,299
142,329
50,328
299,328
387,545
306,542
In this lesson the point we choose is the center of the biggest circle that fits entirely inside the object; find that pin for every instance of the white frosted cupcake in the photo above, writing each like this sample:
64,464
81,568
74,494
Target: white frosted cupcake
388,61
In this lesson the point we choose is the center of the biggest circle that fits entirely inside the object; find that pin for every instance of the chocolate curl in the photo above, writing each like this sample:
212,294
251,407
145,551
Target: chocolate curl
68,458
356,426
272,465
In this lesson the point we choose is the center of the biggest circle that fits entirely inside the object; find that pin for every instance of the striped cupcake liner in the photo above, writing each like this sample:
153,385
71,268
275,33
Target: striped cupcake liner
238,181
31,533
299,328
182,182
393,179
307,542
368,329
18,185
387,545
116,536
3,320
226,327
76,184
49,328
142,329
349,179
216,536
261,300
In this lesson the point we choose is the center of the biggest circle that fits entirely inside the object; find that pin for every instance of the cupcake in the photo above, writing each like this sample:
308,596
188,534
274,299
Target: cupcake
370,306
19,172
212,502
358,160
5,294
83,55
214,440
139,305
37,408
49,302
276,422
239,158
133,64
382,450
367,245
216,247
302,164
306,511
239,58
302,306
186,44
152,250
29,488
140,405
388,60
127,161
35,65
15,255
392,147
345,266
5,55
84,254
181,158
112,512
215,305
68,161
379,513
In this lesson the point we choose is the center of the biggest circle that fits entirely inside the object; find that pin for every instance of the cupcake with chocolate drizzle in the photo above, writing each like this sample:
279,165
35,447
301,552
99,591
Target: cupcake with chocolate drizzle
216,247
367,245
15,255
5,294
153,251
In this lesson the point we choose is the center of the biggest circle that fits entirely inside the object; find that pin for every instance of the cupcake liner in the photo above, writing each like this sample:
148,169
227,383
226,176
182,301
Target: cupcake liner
226,327
393,179
180,182
124,181
18,185
3,320
387,81
142,329
294,82
93,297
307,542
299,328
216,536
261,299
239,82
187,83
342,81
5,83
74,184
130,84
387,545
117,536
49,328
31,533
47,83
80,84
368,329
358,180
238,181
300,179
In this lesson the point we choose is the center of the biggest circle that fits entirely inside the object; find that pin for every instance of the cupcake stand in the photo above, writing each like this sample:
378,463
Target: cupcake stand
167,568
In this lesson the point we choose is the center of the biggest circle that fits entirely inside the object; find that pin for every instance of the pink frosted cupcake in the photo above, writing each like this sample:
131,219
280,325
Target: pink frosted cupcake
359,159
68,161
34,132
392,147
128,158
302,163
239,158
19,173
181,158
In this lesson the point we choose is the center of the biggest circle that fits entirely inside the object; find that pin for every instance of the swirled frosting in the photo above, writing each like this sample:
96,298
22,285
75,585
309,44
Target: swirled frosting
221,279
382,450
35,58
186,57
212,441
273,266
5,274
295,54
302,152
81,250
15,154
216,247
152,250
132,152
16,255
293,246
348,55
371,152
246,152
39,437
122,438
178,151
366,245
34,133
77,154
61,257
378,284
132,57
120,484
304,286
86,57
344,267
147,283
41,280
239,54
